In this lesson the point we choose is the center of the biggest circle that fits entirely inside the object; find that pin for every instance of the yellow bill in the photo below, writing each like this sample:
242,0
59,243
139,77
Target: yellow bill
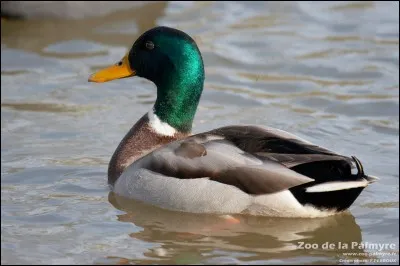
117,71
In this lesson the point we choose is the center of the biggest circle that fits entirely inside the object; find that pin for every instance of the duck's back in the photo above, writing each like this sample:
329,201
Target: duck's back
245,169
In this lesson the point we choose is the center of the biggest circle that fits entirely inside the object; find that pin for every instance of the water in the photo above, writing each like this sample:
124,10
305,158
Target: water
328,72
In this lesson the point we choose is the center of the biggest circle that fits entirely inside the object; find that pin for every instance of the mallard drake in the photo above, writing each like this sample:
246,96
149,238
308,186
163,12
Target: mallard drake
247,169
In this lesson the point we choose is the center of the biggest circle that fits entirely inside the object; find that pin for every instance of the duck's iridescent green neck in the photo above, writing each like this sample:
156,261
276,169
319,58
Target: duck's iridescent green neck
179,89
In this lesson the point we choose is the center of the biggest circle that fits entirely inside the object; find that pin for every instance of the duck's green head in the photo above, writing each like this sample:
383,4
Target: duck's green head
171,59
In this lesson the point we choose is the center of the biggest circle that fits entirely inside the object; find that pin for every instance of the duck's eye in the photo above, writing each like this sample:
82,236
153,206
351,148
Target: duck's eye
149,45
119,63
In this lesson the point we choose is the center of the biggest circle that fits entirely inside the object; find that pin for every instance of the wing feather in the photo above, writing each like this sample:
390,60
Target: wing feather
253,159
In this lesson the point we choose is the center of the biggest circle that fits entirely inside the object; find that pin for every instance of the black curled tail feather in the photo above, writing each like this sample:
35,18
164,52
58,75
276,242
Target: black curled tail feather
361,173
360,168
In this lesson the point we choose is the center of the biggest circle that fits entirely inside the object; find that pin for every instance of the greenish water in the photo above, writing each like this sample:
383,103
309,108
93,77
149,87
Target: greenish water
327,72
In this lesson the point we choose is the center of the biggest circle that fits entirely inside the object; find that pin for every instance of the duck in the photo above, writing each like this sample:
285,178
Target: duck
236,169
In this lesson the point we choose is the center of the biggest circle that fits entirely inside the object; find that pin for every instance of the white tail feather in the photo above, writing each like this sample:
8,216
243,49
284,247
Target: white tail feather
334,186
372,179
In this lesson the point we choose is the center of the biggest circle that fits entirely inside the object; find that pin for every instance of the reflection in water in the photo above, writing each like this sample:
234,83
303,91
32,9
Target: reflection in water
40,107
196,237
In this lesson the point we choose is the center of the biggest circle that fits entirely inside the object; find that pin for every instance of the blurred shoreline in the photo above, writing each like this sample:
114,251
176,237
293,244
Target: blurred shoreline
64,9
126,25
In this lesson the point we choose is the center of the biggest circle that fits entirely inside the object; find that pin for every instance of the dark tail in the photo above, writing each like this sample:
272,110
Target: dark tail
333,194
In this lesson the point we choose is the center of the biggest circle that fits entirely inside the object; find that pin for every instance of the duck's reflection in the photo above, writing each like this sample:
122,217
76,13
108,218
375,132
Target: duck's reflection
199,238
